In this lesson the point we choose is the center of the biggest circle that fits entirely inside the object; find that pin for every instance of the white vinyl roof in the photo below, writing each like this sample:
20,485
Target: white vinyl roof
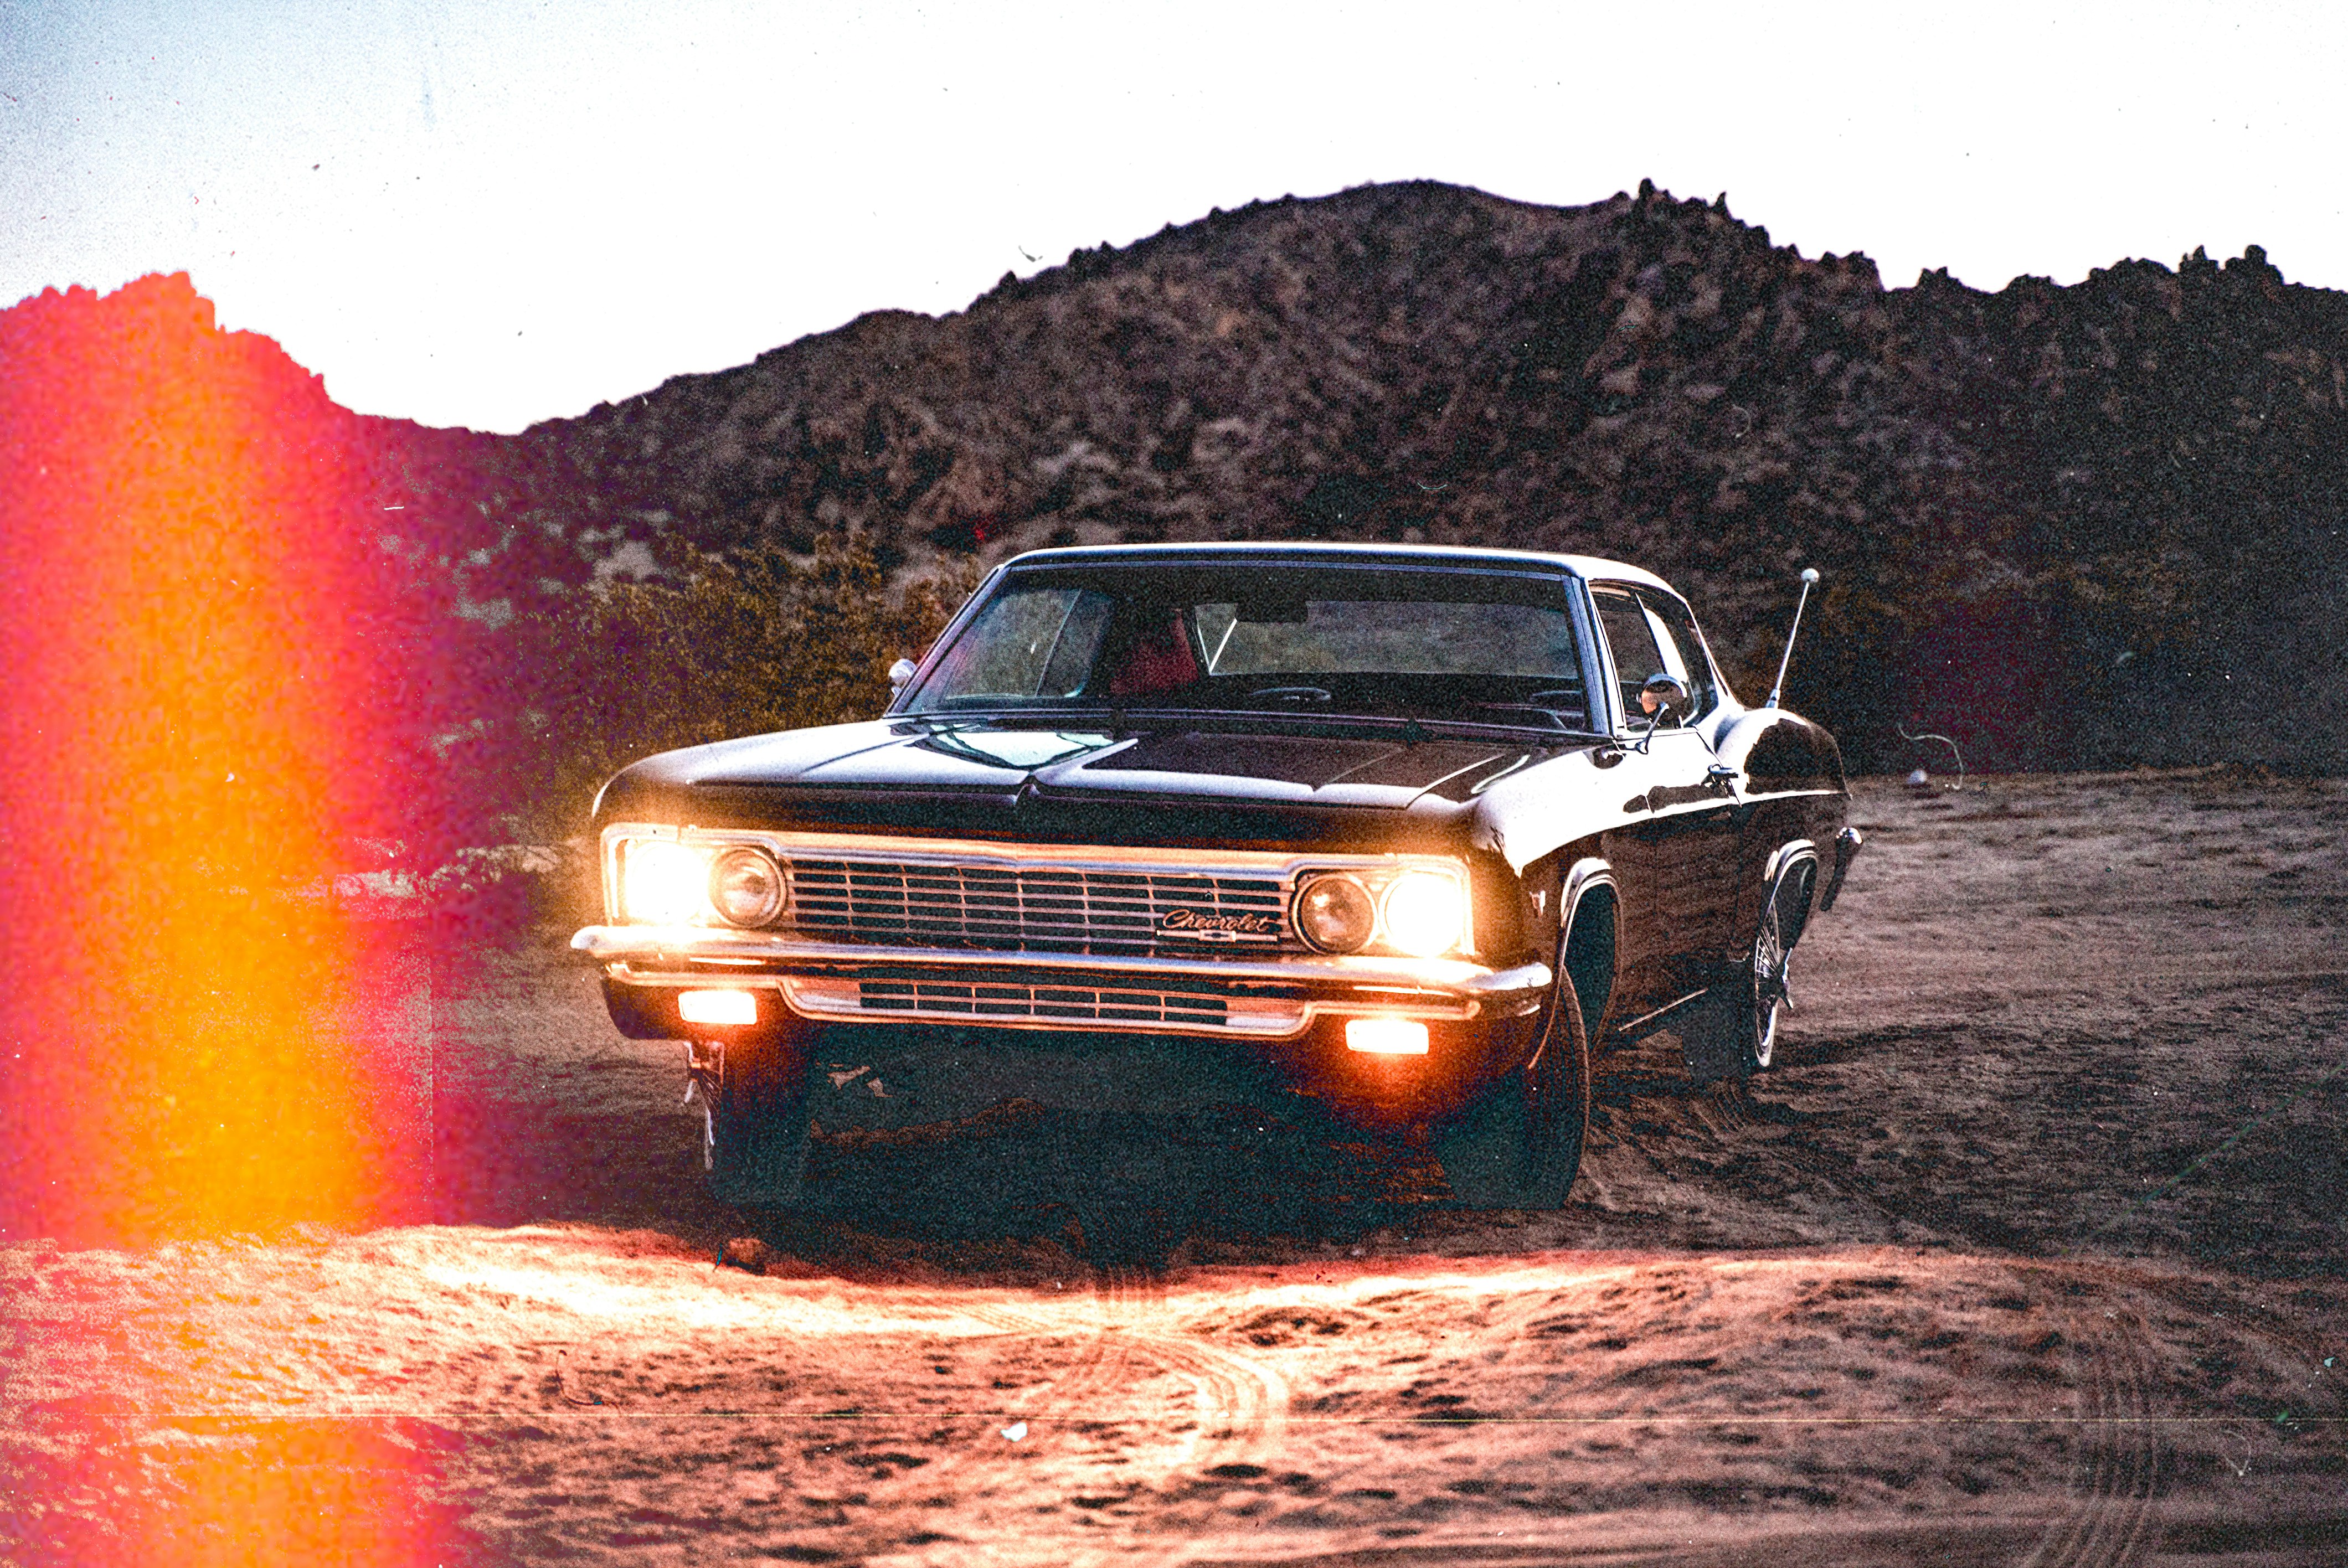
1594,568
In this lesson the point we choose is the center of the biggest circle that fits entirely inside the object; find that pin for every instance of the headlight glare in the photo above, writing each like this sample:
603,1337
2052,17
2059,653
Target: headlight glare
661,881
1425,912
746,886
1335,913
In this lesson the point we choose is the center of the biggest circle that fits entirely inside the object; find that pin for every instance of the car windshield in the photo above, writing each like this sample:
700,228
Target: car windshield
1484,646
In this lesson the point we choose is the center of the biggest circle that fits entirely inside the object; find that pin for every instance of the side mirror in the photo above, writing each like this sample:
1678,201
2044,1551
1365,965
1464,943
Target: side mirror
899,673
1663,698
1666,696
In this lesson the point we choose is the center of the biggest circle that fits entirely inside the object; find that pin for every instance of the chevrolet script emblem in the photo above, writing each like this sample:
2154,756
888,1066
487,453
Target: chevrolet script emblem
1211,926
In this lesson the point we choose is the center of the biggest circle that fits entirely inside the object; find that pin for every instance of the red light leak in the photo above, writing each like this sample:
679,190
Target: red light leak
195,649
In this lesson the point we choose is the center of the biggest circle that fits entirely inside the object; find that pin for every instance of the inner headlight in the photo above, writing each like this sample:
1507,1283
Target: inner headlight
1426,913
1335,913
661,881
746,886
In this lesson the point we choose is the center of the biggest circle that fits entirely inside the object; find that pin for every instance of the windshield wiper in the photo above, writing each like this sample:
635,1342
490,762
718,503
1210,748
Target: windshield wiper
1556,719
1120,720
1413,727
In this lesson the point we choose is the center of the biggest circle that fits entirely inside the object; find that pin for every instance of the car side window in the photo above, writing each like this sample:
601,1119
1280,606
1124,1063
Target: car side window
1683,649
1631,638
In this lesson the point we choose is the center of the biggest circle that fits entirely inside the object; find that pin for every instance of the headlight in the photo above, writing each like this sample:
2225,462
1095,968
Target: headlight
661,881
746,886
1335,913
1425,912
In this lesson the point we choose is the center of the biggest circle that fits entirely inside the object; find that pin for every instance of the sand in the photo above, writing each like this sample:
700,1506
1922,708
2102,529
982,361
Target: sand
2033,1248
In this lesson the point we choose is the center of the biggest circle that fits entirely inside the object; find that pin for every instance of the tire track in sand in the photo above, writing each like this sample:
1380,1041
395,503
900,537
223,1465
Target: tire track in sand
1236,1409
1101,1429
2116,1467
1237,1406
2116,1464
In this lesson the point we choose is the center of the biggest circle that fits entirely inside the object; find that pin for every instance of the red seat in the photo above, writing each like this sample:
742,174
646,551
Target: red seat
1158,660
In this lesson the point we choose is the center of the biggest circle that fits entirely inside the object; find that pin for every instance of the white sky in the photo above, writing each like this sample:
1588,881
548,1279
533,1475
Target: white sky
489,212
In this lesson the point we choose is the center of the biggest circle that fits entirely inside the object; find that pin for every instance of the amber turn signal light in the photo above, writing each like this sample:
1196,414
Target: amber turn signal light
717,1006
1386,1036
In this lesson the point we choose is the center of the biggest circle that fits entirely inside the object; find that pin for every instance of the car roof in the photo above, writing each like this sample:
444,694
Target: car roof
1299,553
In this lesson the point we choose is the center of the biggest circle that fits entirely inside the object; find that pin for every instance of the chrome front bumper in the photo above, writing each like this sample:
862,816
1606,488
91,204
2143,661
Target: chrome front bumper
1260,998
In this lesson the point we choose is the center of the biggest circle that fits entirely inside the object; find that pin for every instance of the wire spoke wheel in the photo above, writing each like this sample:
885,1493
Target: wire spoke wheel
1766,993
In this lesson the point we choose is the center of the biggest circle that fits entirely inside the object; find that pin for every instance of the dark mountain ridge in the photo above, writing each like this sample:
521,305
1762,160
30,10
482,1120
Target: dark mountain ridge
2084,526
2058,522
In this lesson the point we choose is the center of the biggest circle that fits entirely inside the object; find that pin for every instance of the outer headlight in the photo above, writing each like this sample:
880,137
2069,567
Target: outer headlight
661,881
1426,913
746,886
1335,913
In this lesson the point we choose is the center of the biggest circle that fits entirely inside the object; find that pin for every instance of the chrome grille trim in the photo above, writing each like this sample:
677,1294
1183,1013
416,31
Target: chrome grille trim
1071,909
1007,1000
937,896
1067,1003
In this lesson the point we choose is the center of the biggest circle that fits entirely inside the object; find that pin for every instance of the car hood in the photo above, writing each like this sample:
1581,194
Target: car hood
969,774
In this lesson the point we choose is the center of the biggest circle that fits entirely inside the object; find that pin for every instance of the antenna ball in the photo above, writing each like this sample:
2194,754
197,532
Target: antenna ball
1809,574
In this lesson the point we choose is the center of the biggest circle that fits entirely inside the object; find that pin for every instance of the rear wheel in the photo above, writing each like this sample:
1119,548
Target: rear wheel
1763,995
1519,1146
758,1126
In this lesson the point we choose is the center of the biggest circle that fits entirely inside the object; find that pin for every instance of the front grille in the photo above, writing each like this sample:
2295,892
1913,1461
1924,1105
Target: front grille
1080,1004
1042,909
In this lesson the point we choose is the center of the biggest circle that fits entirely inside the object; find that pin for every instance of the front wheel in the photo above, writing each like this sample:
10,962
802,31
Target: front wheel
757,1123
1519,1146
1763,995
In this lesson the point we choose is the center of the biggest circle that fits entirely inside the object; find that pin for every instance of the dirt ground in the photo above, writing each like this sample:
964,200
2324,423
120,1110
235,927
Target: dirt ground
2033,1249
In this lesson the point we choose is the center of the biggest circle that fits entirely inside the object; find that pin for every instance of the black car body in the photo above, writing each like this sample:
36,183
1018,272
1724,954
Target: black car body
1403,831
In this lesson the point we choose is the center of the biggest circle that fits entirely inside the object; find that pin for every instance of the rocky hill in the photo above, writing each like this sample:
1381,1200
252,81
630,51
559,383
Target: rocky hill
2081,526
2073,526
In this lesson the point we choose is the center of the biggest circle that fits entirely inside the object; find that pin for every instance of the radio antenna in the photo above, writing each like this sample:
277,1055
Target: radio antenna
1810,576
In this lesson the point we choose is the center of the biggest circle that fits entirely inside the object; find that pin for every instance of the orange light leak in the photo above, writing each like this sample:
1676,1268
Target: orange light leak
191,651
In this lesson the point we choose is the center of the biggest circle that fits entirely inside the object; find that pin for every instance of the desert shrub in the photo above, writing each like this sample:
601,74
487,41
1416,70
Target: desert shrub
728,646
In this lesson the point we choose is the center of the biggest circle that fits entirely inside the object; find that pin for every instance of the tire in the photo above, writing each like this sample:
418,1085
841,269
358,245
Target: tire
1761,995
759,1125
1519,1146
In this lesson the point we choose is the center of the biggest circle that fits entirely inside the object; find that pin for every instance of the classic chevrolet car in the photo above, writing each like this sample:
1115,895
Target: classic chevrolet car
1397,834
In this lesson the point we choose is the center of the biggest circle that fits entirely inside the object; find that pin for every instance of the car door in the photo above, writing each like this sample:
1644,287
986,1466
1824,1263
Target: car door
1675,856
